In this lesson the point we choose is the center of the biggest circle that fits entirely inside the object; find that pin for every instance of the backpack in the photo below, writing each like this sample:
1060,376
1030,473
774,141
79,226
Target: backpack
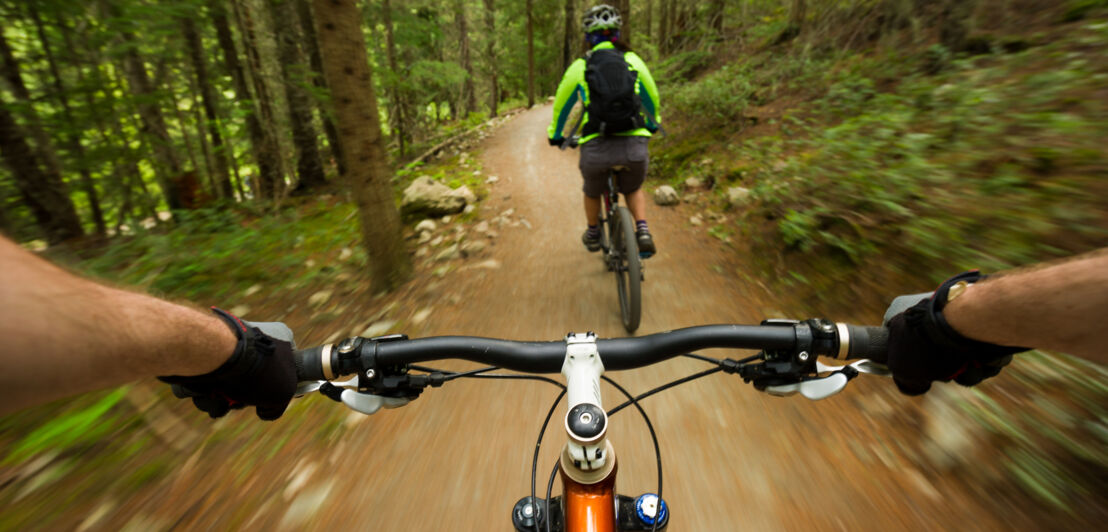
613,103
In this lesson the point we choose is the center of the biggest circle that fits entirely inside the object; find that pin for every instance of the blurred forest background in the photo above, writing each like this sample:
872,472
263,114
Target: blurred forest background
852,150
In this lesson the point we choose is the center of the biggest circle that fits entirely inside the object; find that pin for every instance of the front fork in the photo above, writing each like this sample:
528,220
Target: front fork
588,460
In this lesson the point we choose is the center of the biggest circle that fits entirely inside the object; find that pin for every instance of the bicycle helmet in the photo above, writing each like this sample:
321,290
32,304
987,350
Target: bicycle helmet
601,17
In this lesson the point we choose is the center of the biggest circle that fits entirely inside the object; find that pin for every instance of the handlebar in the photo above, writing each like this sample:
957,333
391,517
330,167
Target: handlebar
775,338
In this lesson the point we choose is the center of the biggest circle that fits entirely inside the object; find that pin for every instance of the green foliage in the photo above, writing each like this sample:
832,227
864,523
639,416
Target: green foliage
905,163
683,66
937,166
84,426
850,96
1079,9
433,81
720,97
211,253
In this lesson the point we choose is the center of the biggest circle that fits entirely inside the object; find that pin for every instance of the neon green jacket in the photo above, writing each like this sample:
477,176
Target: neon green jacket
573,88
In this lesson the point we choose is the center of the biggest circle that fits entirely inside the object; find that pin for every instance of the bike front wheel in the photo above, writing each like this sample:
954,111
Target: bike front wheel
628,269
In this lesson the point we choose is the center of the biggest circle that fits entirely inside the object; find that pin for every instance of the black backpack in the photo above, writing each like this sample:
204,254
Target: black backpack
613,104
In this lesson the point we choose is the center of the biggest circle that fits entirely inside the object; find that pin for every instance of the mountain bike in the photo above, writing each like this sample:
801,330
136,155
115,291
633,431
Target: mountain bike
620,248
386,373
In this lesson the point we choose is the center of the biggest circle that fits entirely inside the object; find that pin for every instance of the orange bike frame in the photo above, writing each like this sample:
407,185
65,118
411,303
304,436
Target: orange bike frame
590,507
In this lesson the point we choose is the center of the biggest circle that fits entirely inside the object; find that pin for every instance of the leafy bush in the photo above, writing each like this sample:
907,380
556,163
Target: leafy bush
1079,9
683,66
212,252
73,428
959,168
720,96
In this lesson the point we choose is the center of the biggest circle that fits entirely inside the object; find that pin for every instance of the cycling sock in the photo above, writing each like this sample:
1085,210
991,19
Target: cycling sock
641,226
593,231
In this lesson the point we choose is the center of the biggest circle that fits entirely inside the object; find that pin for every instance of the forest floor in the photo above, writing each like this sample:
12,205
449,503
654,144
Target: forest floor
458,458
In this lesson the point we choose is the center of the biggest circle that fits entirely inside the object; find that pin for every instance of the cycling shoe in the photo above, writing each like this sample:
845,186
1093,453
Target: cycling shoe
646,243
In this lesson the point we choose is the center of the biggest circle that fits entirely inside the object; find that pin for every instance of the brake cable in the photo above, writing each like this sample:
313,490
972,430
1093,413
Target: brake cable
722,365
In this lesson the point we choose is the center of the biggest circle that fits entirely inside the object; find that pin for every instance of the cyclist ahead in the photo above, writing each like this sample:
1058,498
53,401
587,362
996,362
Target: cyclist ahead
621,113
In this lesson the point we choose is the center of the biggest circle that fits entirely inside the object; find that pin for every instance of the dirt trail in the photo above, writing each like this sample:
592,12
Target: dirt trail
458,458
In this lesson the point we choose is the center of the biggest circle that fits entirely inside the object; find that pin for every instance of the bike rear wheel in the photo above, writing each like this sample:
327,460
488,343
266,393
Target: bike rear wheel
628,270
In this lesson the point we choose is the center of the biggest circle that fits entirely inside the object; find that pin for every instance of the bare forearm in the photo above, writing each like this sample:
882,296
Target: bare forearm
61,334
1057,307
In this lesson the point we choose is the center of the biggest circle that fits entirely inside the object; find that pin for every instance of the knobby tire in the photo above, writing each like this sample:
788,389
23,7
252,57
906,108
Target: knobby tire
629,272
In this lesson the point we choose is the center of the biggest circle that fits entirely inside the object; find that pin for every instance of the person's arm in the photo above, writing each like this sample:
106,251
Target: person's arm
1052,306
969,328
61,335
565,98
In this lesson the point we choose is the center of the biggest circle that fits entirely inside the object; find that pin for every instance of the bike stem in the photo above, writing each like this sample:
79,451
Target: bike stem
588,457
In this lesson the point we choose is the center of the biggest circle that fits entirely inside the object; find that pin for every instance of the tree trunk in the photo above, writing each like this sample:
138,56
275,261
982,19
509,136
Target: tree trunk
309,165
37,172
350,77
261,144
168,165
399,113
954,23
468,99
717,16
675,25
571,35
530,57
624,7
126,168
200,122
149,205
665,25
41,188
165,78
648,25
73,141
221,168
311,42
271,186
797,15
490,30
14,79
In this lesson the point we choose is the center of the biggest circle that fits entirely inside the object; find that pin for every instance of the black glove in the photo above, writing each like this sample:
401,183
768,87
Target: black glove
259,373
924,348
557,141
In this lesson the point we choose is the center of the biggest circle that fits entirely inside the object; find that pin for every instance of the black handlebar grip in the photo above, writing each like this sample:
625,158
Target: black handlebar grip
868,342
309,364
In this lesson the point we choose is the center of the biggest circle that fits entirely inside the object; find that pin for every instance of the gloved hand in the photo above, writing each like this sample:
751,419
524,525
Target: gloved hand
924,348
556,141
259,373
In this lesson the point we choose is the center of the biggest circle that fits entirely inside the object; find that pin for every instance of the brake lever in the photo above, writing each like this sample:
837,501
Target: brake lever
307,387
347,393
813,388
368,403
862,366
816,388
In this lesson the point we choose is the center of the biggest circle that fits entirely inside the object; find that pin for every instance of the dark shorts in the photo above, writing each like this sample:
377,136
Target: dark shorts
602,153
